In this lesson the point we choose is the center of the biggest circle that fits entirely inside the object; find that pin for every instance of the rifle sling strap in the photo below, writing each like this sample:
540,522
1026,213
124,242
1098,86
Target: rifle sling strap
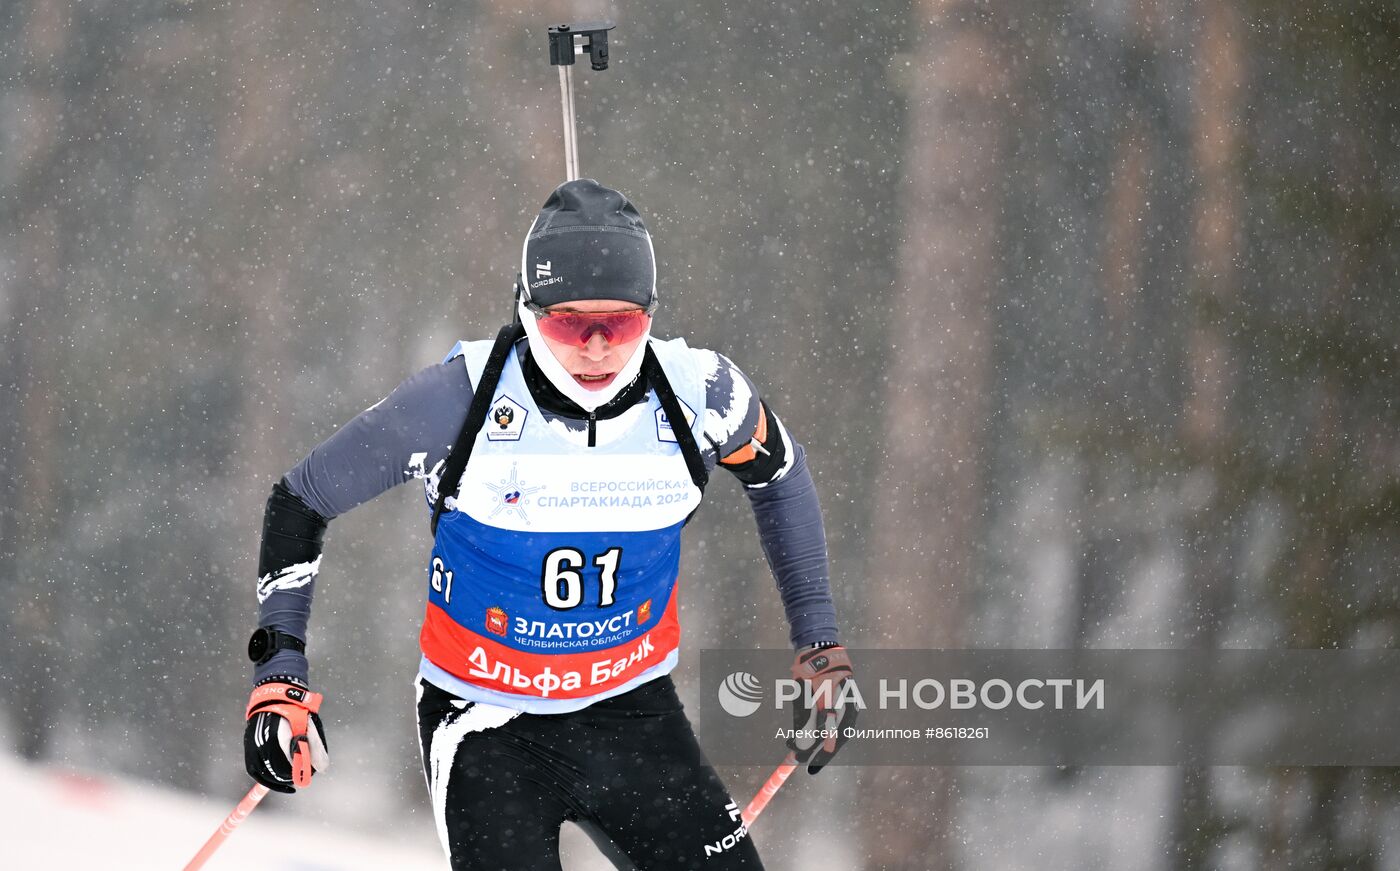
461,451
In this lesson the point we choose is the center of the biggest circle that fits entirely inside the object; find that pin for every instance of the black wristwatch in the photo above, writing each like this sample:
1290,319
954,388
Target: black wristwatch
266,642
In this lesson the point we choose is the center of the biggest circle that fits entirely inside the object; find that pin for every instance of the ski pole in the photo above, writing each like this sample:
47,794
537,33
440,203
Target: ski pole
770,789
226,828
593,39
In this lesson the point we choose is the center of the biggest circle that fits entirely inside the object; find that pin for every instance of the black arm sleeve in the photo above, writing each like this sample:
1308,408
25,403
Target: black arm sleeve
291,552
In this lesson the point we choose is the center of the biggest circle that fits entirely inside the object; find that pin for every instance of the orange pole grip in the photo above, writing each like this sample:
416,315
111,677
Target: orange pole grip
770,789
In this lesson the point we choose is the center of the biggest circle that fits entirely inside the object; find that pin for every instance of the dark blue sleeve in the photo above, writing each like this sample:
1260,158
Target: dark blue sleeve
406,435
746,437
403,436
794,541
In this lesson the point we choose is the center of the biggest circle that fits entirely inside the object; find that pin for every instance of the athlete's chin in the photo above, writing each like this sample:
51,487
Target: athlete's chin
595,382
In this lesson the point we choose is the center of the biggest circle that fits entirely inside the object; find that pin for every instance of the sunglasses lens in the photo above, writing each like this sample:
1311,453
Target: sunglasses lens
577,328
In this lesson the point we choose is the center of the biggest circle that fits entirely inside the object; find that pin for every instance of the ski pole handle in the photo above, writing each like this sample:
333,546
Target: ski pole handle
226,828
770,789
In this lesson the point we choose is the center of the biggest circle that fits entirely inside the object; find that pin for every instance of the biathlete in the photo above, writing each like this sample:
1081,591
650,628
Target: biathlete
560,463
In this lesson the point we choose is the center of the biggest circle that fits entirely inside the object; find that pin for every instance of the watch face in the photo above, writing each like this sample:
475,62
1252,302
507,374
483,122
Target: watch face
258,645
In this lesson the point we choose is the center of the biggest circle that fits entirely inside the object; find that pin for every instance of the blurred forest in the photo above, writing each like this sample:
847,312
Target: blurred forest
1086,313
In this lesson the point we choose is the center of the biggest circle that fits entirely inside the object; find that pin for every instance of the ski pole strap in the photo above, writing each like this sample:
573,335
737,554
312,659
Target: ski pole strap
296,705
275,694
461,451
656,377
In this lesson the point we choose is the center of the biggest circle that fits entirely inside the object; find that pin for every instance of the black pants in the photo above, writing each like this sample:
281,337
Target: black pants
627,769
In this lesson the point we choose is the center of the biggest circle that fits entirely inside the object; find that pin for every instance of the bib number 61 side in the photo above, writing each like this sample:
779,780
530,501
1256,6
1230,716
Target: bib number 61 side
441,579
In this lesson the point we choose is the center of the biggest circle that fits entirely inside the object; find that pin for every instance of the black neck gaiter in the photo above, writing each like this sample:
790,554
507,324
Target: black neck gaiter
552,401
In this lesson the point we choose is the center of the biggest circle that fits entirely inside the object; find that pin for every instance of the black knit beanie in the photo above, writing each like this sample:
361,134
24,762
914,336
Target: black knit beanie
588,242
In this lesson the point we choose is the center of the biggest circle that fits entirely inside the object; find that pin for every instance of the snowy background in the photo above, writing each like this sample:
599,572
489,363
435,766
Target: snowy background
1086,311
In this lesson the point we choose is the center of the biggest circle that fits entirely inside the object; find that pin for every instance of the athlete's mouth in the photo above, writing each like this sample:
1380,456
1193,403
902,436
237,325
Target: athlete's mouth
594,382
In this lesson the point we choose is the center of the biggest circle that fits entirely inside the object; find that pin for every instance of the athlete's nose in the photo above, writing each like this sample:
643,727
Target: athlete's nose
597,346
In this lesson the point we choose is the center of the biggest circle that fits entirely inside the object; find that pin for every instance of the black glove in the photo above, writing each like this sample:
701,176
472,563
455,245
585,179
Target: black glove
284,742
824,673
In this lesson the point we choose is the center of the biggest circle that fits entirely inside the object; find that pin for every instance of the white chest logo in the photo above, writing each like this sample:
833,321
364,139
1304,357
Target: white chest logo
512,496
506,420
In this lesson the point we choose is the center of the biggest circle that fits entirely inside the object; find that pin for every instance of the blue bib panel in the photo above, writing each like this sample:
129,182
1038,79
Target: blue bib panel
552,582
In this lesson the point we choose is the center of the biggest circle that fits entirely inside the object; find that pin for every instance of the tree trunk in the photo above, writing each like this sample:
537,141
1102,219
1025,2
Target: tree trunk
1206,424
935,403
29,450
